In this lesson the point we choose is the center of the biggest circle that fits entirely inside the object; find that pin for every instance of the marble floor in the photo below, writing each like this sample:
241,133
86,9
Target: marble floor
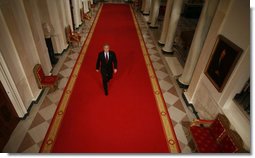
30,132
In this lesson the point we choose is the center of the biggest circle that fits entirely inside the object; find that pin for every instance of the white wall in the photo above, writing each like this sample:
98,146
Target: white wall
240,35
204,96
12,55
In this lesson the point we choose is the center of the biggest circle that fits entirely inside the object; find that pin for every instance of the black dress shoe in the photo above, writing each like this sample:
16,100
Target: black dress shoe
108,80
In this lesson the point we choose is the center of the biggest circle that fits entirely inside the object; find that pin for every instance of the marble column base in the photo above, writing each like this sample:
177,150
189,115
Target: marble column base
161,44
167,52
181,85
153,27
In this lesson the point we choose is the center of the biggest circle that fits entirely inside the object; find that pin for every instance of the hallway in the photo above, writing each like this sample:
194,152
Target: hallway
32,130
197,54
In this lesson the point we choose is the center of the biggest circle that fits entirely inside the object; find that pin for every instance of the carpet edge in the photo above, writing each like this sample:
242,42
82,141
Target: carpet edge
51,134
169,132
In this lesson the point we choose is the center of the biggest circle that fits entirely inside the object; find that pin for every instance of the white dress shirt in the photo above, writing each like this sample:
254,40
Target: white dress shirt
106,54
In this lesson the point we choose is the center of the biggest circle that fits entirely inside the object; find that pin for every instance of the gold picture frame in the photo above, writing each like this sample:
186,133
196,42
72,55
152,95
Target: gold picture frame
222,62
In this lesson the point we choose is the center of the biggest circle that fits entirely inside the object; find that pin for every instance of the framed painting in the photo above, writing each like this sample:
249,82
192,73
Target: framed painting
222,62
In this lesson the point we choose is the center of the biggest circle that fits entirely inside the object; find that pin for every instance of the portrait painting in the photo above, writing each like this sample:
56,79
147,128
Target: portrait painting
222,62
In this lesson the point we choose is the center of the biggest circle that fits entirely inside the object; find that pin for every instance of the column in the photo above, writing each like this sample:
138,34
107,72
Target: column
200,35
58,33
143,5
24,43
76,13
81,10
80,4
155,13
85,5
37,32
63,19
14,66
164,31
175,15
68,13
147,7
151,11
10,87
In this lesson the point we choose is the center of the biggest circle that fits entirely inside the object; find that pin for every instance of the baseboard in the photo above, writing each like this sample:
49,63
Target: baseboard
190,105
64,50
32,103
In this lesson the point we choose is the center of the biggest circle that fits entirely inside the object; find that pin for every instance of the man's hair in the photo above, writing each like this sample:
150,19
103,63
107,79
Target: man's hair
106,44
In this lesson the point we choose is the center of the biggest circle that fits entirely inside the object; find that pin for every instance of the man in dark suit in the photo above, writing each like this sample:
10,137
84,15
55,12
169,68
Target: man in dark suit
107,62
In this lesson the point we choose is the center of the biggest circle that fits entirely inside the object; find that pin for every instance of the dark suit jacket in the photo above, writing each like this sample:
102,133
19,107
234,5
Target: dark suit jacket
106,67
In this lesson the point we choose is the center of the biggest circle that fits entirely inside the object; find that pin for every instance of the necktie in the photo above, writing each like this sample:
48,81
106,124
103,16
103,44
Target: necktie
106,57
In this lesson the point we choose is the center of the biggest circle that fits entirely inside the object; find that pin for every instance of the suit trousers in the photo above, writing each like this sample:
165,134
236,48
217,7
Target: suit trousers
106,76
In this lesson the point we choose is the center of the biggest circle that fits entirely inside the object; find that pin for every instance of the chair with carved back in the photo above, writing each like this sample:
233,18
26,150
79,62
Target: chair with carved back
215,136
44,81
72,37
84,16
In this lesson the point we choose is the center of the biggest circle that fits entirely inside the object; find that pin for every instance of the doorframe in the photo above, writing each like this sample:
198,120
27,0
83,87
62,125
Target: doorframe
11,89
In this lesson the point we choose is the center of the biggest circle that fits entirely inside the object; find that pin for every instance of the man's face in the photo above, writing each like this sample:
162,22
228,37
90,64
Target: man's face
106,48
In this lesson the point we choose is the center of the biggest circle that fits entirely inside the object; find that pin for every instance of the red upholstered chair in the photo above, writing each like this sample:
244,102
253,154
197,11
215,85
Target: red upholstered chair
72,37
84,16
42,80
214,136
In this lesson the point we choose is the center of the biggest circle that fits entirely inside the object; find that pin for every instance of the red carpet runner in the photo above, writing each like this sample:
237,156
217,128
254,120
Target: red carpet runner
133,118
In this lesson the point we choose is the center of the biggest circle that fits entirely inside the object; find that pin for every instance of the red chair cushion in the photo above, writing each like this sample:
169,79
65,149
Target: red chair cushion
49,80
77,35
204,140
75,38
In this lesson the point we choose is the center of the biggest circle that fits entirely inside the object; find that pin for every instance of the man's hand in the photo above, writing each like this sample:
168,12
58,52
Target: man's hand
115,71
97,70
